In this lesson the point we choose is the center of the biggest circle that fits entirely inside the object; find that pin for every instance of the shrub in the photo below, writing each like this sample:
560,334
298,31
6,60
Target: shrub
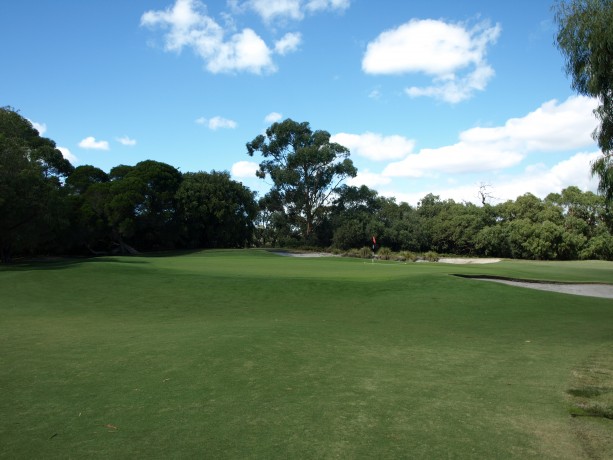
352,253
385,253
431,256
365,253
408,255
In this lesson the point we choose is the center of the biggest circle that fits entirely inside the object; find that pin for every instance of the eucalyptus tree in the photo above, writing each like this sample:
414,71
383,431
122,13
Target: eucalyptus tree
305,169
585,38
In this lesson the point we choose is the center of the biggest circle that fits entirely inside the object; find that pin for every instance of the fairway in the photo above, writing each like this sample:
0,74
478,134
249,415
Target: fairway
246,354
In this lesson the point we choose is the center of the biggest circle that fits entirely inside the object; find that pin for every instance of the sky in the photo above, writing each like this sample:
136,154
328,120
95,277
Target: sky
440,96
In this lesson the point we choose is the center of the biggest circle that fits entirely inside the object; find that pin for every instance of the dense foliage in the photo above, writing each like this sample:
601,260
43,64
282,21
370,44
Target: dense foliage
585,38
50,207
305,168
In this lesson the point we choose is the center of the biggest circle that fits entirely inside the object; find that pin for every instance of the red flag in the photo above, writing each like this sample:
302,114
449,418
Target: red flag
373,240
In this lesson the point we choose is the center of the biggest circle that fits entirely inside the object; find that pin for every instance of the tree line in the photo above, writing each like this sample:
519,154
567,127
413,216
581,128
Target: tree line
49,207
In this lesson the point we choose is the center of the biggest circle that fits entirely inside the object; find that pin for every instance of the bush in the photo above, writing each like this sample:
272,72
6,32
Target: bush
408,255
431,256
385,253
365,253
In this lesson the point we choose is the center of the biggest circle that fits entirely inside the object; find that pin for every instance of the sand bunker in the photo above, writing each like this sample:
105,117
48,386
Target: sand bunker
590,290
302,254
463,260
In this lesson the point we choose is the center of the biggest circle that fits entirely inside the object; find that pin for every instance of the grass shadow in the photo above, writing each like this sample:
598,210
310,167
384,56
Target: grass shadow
63,263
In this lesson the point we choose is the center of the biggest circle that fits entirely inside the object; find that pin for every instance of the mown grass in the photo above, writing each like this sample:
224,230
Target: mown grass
245,354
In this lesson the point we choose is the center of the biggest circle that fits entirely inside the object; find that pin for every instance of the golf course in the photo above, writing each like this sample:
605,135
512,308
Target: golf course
246,354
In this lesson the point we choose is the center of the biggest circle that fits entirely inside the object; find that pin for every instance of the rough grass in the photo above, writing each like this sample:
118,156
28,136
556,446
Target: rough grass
244,354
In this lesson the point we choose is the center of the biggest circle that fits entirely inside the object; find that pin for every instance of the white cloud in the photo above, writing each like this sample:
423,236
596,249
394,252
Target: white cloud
288,44
540,181
553,127
91,143
284,10
125,140
536,179
323,5
375,146
452,54
365,177
216,123
454,159
244,169
67,154
188,26
273,117
245,51
40,127
270,10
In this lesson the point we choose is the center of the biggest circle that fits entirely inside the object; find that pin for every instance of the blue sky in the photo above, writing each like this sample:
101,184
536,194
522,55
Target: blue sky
436,96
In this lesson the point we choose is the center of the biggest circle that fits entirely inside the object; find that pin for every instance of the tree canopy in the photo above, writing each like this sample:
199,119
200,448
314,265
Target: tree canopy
585,38
31,170
305,169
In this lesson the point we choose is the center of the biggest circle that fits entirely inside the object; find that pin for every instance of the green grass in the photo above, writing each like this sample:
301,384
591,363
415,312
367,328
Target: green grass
245,354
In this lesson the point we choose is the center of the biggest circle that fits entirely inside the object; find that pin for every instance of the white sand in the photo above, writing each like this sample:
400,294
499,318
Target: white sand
463,260
590,290
303,254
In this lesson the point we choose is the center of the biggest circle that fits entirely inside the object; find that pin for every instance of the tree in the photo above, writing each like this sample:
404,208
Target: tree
215,211
31,195
305,169
85,176
141,205
585,38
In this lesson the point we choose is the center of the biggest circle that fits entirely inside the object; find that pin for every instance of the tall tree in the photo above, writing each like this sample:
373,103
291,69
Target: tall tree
305,169
31,195
215,211
141,206
585,38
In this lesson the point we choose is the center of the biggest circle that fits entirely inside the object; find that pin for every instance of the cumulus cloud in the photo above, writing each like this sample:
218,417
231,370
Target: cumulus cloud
553,127
453,55
536,179
375,146
284,10
217,122
244,169
323,5
188,26
125,140
370,179
273,117
67,154
288,44
540,180
270,10
91,143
